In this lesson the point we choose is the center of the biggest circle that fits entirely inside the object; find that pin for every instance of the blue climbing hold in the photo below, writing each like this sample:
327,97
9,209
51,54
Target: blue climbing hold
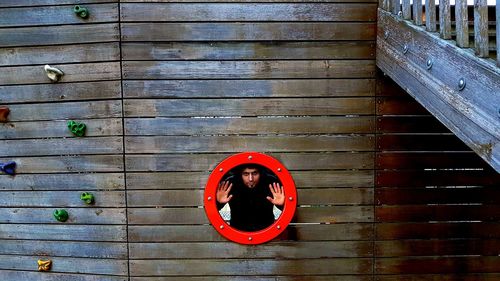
8,168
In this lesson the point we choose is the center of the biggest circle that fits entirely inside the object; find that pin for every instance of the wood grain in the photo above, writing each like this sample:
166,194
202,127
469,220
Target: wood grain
76,215
67,164
72,232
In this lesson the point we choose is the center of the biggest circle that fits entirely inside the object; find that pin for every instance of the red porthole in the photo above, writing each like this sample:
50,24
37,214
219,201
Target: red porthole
262,235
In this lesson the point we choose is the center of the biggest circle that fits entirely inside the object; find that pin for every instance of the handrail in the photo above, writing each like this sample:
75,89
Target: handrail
404,8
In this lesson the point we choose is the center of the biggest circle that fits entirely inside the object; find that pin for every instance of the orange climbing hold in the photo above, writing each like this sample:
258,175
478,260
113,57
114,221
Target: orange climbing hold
4,113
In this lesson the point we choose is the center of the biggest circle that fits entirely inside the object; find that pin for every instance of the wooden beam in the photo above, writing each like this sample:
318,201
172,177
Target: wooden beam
462,25
481,28
470,113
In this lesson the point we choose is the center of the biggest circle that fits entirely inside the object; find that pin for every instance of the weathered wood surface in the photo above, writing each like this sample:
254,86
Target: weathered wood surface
410,124
50,276
183,216
438,230
39,182
497,13
450,265
248,50
471,177
197,180
76,215
444,19
446,142
56,15
72,73
241,1
404,196
242,12
419,213
67,264
57,35
441,277
247,107
65,146
461,21
191,144
430,15
248,69
258,278
78,91
470,113
229,250
417,12
250,267
72,232
95,250
484,247
481,28
67,164
65,111
248,88
436,160
30,199
257,31
93,52
17,3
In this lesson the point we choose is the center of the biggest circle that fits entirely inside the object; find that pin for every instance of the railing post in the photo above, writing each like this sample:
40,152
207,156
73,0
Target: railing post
481,28
406,9
430,15
417,12
498,30
396,7
444,19
462,26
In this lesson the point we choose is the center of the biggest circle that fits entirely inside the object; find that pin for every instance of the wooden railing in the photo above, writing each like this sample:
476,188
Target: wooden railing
443,21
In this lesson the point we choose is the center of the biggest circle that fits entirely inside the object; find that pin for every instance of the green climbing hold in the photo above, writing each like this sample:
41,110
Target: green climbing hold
77,128
81,11
61,215
87,197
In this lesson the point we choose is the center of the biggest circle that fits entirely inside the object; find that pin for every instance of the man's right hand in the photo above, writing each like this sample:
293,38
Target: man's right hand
223,192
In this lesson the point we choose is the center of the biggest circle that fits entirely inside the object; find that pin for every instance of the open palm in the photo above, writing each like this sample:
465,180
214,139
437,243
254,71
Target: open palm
278,198
223,192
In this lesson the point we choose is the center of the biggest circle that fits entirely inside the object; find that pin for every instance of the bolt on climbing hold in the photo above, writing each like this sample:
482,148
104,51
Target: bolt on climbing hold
8,168
81,11
4,113
87,197
77,128
61,215
44,265
53,73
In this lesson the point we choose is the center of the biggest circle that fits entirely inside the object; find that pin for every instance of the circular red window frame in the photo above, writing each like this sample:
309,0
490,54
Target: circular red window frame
256,237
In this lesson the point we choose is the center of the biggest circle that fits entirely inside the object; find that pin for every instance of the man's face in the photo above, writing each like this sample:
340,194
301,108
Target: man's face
251,177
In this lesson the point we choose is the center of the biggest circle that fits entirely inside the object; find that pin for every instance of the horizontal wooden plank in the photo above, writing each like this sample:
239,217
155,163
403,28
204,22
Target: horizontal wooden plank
84,182
227,250
97,250
248,50
57,35
65,111
437,178
16,3
238,1
66,264
437,230
64,146
66,164
27,16
173,144
250,126
242,12
179,198
441,277
202,162
249,267
453,265
411,142
332,214
248,69
87,215
50,276
399,106
60,92
457,213
248,88
38,232
53,54
206,233
437,247
404,196
60,198
428,160
247,107
258,278
247,31
57,129
16,75
410,124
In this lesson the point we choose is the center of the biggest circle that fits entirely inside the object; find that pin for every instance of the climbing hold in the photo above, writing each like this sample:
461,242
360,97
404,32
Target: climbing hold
9,168
77,128
61,215
53,73
4,113
44,265
87,197
81,11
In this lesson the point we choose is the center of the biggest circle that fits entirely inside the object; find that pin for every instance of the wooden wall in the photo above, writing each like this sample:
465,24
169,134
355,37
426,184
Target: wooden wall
168,89
53,166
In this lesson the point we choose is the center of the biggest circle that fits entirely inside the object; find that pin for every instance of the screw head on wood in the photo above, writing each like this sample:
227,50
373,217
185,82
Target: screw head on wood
250,157
429,64
461,84
405,49
386,34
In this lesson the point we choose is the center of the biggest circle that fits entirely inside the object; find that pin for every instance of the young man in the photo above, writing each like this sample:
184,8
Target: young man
251,195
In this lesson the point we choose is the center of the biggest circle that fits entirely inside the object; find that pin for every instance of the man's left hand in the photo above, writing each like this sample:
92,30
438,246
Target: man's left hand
278,198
